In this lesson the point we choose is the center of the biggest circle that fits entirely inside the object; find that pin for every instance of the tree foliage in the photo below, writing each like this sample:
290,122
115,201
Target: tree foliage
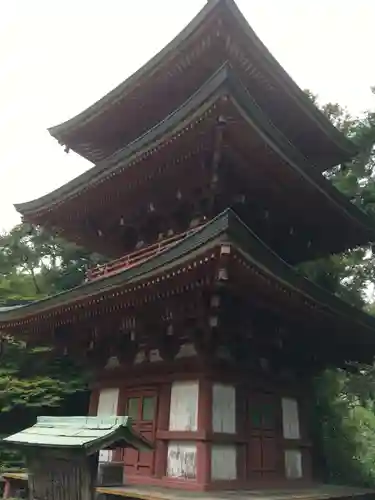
35,264
344,428
351,274
344,410
33,380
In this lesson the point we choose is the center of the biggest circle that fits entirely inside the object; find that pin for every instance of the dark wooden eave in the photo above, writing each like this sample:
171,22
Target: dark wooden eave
223,82
92,132
226,229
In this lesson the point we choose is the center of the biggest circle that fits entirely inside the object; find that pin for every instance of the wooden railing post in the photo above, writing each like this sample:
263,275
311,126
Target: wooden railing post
136,257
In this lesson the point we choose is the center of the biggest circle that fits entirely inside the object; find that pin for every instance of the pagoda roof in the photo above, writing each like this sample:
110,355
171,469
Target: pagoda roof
223,83
90,132
225,229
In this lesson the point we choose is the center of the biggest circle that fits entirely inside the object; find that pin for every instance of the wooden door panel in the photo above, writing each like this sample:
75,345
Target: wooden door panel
133,405
142,408
262,433
130,456
269,454
130,470
145,459
255,454
143,470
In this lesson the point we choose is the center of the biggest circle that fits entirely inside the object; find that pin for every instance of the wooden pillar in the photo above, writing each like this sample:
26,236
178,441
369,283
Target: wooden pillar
94,400
242,431
204,429
8,493
306,449
118,455
162,425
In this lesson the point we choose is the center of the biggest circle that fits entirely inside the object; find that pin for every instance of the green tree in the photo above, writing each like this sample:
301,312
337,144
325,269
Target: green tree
351,274
344,410
35,380
35,264
344,427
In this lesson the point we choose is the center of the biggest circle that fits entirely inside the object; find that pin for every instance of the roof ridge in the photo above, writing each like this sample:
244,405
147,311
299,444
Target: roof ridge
271,66
239,235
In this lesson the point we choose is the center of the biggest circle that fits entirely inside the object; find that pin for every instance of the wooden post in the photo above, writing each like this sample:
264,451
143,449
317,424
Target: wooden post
205,425
162,425
55,476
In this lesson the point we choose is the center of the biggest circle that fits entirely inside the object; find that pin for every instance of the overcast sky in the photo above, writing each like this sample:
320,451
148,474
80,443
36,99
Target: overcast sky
56,58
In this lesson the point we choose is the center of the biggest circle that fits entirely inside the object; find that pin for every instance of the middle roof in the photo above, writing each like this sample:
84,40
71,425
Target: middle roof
288,202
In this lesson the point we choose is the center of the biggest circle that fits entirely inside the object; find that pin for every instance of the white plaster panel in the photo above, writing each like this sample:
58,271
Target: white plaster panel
186,350
224,408
108,401
223,462
182,460
107,405
112,363
291,428
183,414
155,356
140,357
293,464
224,353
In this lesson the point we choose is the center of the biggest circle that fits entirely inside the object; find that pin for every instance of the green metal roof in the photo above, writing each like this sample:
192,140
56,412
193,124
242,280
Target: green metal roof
88,433
10,308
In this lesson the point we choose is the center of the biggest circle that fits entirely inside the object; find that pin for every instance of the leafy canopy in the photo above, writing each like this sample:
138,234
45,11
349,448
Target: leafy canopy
34,380
344,409
35,264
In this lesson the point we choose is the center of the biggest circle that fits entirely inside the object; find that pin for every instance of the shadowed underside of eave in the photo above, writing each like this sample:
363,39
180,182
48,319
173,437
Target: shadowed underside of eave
226,228
66,132
223,82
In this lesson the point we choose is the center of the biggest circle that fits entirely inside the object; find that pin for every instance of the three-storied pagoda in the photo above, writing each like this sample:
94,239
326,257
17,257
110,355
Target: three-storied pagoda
207,189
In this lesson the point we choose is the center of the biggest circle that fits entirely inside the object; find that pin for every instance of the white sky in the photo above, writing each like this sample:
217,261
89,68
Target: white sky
56,58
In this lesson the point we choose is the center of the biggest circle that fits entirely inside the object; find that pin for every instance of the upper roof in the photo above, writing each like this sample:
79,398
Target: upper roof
218,33
90,434
345,320
350,225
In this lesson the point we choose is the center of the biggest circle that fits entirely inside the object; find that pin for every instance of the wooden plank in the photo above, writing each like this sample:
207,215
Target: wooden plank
317,492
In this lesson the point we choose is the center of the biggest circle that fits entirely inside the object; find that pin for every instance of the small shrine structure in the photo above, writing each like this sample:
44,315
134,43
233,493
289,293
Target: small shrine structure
207,190
62,453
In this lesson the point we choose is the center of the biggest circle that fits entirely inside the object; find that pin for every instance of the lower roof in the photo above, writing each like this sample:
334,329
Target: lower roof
225,229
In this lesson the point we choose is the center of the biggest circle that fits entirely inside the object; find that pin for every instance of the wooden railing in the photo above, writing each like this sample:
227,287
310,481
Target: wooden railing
136,257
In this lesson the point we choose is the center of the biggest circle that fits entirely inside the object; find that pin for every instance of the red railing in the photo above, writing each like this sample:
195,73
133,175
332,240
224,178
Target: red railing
136,257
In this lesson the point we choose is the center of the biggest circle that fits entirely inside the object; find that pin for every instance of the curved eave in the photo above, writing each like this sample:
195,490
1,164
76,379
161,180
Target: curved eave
117,93
145,142
227,227
182,250
223,81
348,149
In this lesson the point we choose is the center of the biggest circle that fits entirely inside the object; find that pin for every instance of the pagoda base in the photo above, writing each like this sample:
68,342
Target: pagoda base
212,428
312,492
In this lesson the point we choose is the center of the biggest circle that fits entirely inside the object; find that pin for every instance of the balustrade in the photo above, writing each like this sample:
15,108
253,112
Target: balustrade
134,258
